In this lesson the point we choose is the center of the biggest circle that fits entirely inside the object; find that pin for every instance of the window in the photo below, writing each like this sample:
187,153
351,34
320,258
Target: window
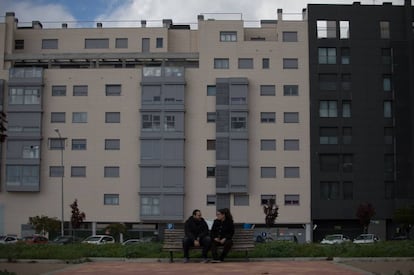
265,63
113,90
238,121
291,144
291,172
211,199
57,117
267,199
241,200
387,83
291,117
96,43
389,135
245,63
346,109
211,144
111,199
211,117
290,63
328,135
56,171
150,206
346,82
150,122
385,29
389,161
211,172
347,163
328,108
292,199
267,172
327,55
24,96
121,43
344,29
326,29
267,117
79,144
56,144
329,190
78,171
345,56
112,117
211,90
18,44
386,56
22,175
79,117
31,152
58,90
387,109
346,135
327,82
111,172
348,190
267,90
159,42
80,90
329,163
290,36
169,123
145,44
221,63
290,90
112,144
267,144
228,36
49,43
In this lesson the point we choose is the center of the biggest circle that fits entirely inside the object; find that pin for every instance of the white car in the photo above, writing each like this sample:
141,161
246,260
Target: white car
335,239
366,238
8,239
99,239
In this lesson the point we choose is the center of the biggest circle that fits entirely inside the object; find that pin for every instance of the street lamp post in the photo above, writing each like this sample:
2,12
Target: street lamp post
61,180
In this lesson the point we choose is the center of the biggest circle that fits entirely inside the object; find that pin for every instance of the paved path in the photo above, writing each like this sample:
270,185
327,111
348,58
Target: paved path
268,267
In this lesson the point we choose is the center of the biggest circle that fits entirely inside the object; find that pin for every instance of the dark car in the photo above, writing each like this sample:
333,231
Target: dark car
66,240
35,239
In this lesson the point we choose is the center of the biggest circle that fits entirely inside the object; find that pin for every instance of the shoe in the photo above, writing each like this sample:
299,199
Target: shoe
186,260
205,260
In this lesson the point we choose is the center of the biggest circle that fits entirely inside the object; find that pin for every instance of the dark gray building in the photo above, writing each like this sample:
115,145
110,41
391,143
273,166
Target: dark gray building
361,97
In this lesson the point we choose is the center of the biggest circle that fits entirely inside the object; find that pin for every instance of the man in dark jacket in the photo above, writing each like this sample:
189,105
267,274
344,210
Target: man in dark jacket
196,234
222,234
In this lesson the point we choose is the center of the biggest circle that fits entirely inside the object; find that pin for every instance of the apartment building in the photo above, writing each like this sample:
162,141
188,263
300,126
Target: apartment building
144,124
361,87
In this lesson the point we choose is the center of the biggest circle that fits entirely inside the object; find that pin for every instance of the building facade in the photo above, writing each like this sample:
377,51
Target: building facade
144,124
361,87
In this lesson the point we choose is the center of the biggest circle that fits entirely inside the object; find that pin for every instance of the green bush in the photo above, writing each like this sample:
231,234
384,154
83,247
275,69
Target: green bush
74,252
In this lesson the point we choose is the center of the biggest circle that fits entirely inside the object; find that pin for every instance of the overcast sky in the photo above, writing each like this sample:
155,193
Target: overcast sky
180,11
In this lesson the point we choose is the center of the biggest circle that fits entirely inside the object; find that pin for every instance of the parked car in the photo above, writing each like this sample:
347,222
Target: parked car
335,239
400,238
137,241
66,240
7,239
99,239
35,239
366,238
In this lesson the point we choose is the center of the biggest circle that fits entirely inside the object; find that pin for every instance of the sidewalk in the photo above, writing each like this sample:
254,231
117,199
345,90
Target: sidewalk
255,266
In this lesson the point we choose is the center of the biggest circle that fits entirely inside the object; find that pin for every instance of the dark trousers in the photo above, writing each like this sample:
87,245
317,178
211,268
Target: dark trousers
205,243
226,248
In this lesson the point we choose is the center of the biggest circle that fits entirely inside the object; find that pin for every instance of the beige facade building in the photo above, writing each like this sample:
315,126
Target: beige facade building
155,122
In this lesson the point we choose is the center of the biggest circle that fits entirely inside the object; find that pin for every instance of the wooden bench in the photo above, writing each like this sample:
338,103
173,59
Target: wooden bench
243,240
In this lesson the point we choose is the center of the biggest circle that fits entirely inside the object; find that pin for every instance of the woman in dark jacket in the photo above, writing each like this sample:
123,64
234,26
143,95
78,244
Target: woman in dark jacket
222,234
